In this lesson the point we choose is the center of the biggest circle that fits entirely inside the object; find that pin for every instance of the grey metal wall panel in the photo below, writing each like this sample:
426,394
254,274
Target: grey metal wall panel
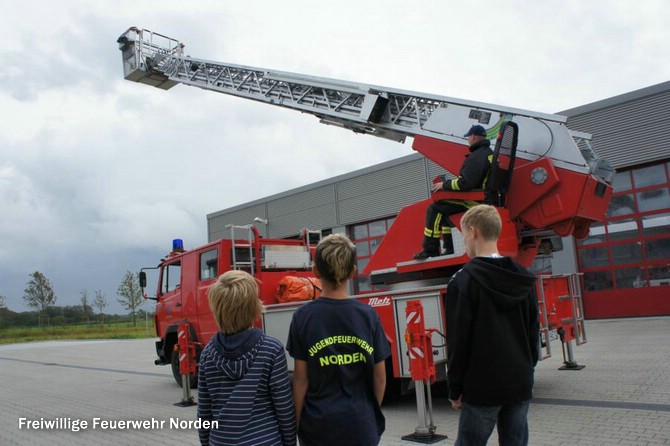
381,193
300,201
435,170
381,180
313,209
314,217
629,133
217,224
381,203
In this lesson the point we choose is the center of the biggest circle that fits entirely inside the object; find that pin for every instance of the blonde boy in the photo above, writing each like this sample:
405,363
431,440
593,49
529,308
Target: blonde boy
492,336
243,379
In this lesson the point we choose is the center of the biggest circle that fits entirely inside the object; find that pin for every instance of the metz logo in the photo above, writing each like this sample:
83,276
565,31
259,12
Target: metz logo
379,302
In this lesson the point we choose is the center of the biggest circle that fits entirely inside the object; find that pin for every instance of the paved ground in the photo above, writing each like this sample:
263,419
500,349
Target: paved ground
622,397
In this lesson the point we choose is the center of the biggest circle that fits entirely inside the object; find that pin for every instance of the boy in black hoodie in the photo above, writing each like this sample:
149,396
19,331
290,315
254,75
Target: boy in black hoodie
492,337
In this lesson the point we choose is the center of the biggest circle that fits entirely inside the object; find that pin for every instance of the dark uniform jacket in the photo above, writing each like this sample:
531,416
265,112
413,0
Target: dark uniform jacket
474,170
492,332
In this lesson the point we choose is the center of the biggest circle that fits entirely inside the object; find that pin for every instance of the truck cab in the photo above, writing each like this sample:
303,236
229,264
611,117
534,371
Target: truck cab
184,277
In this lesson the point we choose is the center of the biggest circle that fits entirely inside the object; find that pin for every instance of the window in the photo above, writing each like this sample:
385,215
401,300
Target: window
621,182
653,200
621,205
659,275
596,235
658,224
362,263
367,237
593,257
658,249
377,228
632,248
627,253
360,232
362,248
628,277
598,280
171,277
649,176
622,229
208,264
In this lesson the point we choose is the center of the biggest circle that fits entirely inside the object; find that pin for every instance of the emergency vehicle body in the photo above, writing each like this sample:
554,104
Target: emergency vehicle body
557,187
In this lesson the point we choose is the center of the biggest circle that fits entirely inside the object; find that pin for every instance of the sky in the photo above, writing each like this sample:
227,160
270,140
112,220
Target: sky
99,174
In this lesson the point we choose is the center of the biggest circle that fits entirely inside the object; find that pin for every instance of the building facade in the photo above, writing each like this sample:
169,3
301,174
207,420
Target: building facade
625,261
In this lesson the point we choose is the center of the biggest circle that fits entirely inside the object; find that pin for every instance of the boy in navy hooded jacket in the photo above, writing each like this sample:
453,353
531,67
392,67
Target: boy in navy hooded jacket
243,382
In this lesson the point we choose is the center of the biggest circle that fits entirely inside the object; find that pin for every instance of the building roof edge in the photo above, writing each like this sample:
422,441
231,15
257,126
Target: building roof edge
616,100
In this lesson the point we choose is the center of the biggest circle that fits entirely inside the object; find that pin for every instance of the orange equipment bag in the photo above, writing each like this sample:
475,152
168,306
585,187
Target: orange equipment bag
296,289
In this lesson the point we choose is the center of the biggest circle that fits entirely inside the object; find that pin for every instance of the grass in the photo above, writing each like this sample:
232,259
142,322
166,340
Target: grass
113,330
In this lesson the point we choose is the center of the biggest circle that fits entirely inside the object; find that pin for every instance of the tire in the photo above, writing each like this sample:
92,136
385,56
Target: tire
193,382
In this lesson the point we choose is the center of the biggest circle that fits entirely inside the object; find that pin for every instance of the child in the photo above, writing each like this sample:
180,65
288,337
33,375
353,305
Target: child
339,347
492,336
243,379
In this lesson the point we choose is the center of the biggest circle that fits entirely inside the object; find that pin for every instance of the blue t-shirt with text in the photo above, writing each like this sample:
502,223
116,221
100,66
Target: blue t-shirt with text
341,340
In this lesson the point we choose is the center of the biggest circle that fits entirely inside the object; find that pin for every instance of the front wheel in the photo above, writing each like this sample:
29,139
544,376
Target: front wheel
193,382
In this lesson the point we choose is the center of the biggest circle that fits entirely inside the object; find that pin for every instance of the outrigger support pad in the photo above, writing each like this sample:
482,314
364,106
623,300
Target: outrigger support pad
569,361
422,368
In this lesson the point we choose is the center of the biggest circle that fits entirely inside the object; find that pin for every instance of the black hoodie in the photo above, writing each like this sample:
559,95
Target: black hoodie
492,332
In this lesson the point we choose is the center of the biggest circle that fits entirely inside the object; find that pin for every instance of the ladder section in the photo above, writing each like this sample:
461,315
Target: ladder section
246,265
390,113
576,298
306,234
545,342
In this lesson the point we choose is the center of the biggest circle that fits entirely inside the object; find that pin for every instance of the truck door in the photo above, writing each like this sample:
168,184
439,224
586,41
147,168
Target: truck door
171,294
209,261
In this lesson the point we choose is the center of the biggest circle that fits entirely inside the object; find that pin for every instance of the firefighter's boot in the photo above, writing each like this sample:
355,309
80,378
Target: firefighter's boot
448,244
431,248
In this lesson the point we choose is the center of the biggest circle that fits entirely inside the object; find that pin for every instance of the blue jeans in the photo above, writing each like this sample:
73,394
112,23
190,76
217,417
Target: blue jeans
476,424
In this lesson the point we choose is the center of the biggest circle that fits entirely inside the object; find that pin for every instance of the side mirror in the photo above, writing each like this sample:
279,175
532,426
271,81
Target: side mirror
143,279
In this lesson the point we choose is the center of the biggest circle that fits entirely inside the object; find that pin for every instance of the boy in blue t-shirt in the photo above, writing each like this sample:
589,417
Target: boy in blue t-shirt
339,347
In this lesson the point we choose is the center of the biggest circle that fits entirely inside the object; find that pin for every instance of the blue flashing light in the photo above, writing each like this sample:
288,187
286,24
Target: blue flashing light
177,244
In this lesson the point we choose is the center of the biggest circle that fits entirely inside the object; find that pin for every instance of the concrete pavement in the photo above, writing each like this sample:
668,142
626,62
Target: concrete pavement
622,397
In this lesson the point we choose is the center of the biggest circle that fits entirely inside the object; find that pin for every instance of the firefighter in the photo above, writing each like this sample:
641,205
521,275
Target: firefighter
473,174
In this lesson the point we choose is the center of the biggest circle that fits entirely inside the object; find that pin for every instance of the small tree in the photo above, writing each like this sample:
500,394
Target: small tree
39,294
100,303
2,305
85,307
130,294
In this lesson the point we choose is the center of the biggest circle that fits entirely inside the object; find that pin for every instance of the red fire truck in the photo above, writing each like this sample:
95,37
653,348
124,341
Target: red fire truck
545,181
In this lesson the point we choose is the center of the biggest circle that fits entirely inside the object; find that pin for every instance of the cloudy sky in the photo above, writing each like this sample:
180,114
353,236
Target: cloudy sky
98,174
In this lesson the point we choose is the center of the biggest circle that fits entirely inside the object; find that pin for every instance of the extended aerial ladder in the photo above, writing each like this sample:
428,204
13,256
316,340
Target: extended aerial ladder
559,185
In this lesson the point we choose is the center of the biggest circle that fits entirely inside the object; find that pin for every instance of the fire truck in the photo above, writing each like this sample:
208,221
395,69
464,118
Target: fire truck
545,180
